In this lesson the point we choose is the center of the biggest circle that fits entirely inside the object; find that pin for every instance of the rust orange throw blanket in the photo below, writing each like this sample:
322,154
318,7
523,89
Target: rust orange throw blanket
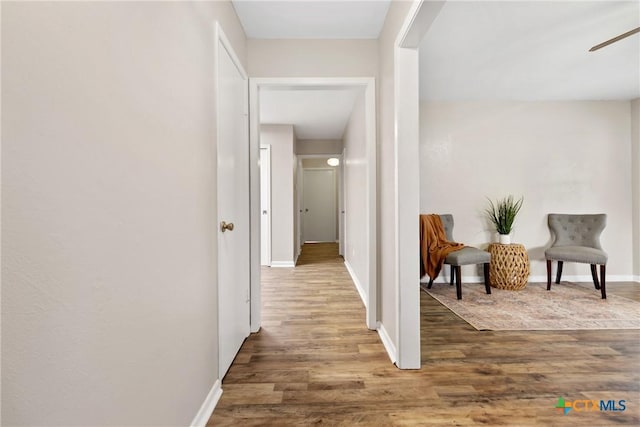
434,246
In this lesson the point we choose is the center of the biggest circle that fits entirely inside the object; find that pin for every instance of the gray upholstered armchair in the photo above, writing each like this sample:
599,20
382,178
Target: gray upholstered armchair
577,239
465,256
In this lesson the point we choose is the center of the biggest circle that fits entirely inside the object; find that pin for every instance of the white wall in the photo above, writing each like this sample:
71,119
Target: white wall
109,310
319,146
282,141
635,162
355,178
387,271
312,58
563,157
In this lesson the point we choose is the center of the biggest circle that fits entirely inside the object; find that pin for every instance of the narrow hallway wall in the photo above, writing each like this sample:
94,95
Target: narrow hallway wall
109,310
387,267
355,176
635,168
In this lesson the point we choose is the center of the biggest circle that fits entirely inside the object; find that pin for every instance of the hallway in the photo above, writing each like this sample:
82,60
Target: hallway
314,359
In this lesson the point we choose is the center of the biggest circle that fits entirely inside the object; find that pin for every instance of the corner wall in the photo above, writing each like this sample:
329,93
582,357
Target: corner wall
387,271
109,300
355,180
564,157
635,168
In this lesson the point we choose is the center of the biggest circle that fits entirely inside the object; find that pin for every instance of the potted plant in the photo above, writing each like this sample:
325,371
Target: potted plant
502,214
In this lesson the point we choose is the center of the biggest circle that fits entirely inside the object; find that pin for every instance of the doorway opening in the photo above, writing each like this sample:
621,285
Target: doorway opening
321,212
320,202
309,199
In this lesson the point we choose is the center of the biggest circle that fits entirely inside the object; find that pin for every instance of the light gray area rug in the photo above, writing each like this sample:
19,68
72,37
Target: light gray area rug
565,307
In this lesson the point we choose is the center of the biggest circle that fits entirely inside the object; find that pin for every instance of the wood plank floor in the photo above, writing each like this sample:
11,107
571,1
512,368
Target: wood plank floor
314,362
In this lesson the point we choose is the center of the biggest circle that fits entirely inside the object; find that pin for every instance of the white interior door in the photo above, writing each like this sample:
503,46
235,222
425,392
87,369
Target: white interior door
319,205
265,205
233,208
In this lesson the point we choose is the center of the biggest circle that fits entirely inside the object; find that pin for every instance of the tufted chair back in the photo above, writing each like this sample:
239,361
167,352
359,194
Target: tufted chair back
466,256
577,230
447,223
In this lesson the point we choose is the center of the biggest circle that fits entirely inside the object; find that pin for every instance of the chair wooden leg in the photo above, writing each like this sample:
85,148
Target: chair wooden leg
430,283
559,273
458,283
603,289
453,274
548,274
594,275
487,284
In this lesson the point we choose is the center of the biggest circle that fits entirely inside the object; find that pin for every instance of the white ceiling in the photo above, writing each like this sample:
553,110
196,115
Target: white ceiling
475,50
320,113
534,50
307,19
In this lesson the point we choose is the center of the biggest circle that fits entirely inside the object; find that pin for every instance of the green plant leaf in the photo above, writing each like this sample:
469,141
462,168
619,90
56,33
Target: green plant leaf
503,213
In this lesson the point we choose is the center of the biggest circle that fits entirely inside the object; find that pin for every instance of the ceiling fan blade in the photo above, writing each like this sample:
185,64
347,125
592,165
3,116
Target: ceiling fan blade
615,39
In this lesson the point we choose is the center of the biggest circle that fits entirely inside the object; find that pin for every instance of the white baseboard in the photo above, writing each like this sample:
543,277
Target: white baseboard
388,344
356,281
636,279
209,404
286,264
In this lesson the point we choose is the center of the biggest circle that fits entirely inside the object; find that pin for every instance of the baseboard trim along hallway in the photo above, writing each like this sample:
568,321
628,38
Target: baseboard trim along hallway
209,404
388,343
356,282
282,264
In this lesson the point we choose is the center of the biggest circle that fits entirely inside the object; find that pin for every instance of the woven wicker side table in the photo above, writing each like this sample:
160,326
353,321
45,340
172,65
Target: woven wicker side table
509,266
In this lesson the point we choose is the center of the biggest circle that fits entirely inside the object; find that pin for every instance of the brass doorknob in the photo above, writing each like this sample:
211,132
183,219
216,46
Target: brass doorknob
226,226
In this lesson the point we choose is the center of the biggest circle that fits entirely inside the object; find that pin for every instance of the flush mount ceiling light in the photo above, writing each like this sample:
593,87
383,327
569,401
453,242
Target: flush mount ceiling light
333,161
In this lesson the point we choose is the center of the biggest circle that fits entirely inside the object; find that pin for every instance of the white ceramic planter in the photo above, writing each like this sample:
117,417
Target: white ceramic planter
504,239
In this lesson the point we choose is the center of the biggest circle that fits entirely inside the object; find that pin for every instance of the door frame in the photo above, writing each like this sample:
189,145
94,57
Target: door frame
221,39
268,233
369,86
